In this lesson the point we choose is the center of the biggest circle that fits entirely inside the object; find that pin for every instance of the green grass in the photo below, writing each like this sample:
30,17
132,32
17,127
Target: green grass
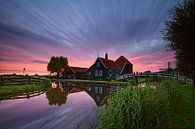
10,91
89,81
183,116
15,89
170,105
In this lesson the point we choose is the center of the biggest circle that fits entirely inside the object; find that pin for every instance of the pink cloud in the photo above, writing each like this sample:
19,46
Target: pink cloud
14,59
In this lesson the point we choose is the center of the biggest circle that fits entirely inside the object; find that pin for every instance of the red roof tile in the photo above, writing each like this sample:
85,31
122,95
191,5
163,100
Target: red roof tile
109,63
121,61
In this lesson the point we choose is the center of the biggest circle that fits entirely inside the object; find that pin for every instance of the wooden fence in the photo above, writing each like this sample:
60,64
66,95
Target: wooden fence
6,80
156,75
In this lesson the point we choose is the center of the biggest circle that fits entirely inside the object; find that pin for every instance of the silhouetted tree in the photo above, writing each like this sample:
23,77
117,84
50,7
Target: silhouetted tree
58,65
179,33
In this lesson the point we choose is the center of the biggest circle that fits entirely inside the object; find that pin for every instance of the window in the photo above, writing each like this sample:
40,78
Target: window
98,99
100,73
100,90
98,64
110,72
89,73
96,89
96,73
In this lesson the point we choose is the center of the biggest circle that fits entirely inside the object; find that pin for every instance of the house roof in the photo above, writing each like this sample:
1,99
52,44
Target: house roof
109,63
78,69
121,61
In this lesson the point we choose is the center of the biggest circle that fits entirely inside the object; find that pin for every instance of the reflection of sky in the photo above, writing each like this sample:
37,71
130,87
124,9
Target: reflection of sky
36,113
31,31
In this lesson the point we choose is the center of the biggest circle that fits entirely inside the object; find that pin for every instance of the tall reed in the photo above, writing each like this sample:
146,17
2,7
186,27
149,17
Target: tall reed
139,108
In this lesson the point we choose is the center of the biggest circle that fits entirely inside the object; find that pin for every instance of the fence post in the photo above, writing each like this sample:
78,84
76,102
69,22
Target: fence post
185,80
29,80
153,77
39,81
2,81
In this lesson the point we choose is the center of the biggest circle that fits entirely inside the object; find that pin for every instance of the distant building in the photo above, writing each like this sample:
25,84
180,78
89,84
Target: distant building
74,72
103,68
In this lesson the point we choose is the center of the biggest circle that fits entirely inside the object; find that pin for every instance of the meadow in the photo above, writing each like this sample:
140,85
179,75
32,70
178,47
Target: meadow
22,85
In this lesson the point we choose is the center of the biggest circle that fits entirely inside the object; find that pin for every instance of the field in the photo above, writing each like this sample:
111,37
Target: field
21,85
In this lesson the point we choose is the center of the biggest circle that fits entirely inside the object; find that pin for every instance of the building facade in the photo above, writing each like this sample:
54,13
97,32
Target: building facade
104,68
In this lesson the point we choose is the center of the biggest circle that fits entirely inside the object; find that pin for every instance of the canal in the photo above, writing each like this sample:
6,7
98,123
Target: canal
63,106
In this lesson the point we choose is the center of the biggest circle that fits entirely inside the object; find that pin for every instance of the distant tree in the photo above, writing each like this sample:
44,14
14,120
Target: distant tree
179,33
58,65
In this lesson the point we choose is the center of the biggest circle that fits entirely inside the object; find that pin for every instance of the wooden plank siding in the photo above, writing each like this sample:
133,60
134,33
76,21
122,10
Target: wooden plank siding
95,71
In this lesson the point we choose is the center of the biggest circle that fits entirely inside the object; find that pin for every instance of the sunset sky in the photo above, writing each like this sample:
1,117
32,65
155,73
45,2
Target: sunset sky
31,31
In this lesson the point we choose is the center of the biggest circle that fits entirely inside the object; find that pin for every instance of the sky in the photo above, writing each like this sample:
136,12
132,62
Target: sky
32,31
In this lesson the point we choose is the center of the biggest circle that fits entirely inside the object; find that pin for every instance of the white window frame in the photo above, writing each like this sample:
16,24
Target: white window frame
96,89
100,90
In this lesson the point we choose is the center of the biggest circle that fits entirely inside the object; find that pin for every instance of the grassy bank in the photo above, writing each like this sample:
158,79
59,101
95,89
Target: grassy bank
15,90
183,116
167,104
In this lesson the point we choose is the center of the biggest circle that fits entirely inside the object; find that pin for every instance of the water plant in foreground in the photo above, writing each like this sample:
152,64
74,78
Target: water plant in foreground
140,108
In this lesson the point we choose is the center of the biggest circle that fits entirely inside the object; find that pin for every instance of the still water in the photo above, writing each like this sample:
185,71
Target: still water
63,106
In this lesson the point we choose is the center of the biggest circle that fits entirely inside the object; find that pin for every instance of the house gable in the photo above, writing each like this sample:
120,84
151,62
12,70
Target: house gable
103,68
125,66
97,70
127,69
95,65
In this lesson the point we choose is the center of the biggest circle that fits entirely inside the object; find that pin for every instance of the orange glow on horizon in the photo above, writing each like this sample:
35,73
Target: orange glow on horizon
141,63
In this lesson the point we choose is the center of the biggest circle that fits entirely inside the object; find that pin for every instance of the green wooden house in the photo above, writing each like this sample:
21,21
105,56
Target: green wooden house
103,68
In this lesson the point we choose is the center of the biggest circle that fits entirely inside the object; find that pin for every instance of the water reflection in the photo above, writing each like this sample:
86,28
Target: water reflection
70,104
57,95
98,92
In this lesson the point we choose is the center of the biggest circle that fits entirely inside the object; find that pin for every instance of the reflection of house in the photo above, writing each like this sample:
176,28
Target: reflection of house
75,72
98,92
104,68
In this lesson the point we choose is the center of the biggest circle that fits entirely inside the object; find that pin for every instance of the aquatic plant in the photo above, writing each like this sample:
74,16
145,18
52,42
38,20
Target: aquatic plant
140,108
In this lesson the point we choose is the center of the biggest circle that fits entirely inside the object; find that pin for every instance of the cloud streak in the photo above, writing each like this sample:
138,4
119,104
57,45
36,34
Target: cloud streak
33,31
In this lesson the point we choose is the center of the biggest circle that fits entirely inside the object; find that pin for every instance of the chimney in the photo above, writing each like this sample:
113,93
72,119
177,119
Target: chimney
106,56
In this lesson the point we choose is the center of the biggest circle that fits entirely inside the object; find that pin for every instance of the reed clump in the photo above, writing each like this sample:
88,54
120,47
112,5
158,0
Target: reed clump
140,108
